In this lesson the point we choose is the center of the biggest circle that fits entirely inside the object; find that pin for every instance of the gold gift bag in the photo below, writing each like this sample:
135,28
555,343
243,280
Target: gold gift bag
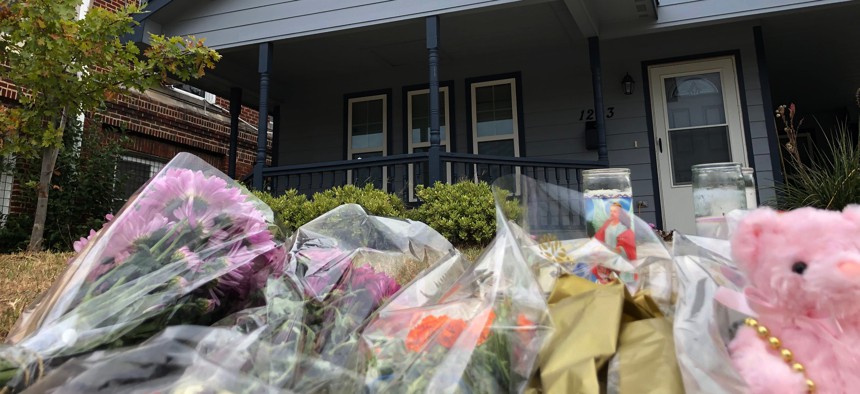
645,361
596,323
585,317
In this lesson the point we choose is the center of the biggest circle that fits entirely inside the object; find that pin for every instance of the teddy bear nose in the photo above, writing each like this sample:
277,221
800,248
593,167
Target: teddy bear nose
850,268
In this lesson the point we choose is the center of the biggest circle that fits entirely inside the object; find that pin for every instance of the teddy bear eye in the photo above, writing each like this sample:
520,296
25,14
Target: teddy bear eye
799,267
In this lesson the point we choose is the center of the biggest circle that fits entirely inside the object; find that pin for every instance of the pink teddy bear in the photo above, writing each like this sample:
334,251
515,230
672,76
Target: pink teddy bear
803,269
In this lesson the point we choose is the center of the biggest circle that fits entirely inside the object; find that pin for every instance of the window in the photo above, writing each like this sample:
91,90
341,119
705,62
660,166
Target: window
495,127
193,91
136,171
6,181
418,126
367,136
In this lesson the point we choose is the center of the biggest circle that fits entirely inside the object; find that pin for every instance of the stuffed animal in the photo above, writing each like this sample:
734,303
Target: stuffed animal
803,273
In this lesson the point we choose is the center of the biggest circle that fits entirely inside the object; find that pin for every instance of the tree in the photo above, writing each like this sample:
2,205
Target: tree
63,66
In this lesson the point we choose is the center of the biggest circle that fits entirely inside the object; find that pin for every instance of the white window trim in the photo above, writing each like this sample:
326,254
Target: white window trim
514,111
446,112
350,151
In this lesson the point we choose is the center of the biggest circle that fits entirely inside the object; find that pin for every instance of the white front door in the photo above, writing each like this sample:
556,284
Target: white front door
697,119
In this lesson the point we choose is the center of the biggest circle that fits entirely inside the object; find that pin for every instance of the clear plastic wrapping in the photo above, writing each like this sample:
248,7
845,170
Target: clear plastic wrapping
192,246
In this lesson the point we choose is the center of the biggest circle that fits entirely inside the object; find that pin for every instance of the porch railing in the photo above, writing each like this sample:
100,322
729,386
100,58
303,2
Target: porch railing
401,174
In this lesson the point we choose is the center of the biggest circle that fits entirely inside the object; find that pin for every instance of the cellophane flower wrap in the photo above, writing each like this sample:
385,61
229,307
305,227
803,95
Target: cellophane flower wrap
191,247
611,314
340,269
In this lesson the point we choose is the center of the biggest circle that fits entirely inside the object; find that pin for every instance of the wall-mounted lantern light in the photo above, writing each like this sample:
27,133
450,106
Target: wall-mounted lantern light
627,82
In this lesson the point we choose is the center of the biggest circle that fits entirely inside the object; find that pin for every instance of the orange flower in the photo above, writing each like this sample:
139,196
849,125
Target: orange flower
524,328
451,332
485,333
419,335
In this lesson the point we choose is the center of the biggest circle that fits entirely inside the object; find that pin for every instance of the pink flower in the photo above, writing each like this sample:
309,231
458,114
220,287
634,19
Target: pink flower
191,260
379,285
325,266
130,229
80,244
188,194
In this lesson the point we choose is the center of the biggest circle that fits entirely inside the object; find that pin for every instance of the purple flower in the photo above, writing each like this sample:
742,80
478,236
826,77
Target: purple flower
325,266
193,195
191,260
130,229
379,285
80,244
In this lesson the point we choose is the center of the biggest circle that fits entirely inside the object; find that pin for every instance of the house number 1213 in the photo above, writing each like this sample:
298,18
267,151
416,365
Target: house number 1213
588,114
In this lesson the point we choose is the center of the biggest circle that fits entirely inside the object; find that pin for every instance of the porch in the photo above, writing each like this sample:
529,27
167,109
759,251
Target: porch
401,174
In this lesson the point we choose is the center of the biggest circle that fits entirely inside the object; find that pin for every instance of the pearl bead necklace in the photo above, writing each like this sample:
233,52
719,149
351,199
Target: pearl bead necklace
786,354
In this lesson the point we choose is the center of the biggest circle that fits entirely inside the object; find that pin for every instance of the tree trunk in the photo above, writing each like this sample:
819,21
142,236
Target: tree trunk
49,160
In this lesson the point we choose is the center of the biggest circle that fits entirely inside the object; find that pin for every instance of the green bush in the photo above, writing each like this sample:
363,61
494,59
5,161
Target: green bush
84,189
374,201
291,209
464,212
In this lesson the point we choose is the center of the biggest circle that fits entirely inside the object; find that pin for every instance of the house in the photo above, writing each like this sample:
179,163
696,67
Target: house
545,88
159,123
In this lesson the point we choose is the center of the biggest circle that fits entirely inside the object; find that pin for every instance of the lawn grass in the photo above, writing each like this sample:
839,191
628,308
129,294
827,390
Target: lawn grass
23,277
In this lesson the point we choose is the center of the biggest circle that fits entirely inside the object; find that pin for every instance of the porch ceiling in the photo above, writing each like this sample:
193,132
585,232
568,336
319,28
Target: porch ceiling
492,31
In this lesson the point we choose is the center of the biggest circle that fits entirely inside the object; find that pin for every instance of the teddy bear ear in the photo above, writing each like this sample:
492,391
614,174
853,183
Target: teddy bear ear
852,213
746,241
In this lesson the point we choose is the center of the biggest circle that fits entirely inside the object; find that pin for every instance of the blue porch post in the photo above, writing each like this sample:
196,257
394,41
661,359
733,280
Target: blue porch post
597,86
235,111
433,51
265,67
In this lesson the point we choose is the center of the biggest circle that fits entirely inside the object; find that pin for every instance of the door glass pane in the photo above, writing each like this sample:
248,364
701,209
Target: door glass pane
421,117
695,100
367,124
494,110
497,148
696,146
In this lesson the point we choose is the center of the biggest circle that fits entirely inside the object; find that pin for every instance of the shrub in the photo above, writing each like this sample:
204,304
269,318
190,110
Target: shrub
85,188
291,209
831,180
374,201
464,212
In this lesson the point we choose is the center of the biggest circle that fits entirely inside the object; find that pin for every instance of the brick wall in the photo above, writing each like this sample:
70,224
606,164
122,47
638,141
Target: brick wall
112,5
160,124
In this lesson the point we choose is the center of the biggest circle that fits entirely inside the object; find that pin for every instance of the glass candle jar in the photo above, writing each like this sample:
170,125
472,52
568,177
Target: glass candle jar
608,198
718,188
749,187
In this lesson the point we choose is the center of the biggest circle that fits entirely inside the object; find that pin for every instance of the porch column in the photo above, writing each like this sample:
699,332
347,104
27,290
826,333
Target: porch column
433,51
597,86
265,67
235,111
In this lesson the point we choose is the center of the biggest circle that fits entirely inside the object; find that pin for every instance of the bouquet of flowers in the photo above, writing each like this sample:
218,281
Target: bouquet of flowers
340,269
190,247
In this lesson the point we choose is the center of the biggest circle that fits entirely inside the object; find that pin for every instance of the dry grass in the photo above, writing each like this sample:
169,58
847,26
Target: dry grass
22,278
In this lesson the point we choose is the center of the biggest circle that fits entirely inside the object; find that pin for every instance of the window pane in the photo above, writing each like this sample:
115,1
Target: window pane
497,148
367,124
502,96
697,146
494,110
695,100
374,111
421,117
359,112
